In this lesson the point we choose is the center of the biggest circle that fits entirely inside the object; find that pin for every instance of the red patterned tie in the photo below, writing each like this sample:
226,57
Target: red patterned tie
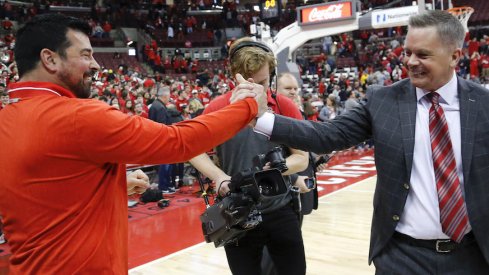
453,212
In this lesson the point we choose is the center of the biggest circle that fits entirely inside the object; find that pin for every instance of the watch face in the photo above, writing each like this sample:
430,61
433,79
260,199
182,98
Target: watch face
310,183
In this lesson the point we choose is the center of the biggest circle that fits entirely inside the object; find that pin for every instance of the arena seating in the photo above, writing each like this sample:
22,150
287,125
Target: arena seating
108,61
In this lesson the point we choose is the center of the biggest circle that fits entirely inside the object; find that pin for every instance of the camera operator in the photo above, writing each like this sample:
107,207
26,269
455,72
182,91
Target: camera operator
279,231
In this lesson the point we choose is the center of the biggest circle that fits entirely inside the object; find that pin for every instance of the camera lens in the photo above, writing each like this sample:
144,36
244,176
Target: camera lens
268,187
265,190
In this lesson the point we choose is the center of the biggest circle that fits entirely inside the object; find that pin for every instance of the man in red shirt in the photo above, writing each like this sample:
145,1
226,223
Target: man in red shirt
107,28
63,194
182,100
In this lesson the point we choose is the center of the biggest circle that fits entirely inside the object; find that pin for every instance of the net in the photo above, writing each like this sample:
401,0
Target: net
463,14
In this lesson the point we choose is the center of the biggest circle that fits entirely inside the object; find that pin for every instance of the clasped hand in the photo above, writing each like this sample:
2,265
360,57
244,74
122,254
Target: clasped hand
247,88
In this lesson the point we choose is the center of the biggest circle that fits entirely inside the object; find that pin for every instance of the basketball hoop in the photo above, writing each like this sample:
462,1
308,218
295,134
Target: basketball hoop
463,14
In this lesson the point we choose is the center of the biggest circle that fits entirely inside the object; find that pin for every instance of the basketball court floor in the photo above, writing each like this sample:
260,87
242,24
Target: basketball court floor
336,239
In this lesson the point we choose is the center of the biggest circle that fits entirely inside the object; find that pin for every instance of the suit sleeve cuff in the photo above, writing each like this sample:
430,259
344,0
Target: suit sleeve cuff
264,124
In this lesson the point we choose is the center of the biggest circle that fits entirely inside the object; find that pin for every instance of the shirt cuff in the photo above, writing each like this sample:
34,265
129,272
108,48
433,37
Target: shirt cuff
264,124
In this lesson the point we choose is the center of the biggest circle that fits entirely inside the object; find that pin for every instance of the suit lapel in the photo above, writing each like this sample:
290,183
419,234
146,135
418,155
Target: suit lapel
407,112
468,110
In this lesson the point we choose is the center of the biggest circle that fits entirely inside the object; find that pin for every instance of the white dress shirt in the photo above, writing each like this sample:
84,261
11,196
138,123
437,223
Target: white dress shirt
421,216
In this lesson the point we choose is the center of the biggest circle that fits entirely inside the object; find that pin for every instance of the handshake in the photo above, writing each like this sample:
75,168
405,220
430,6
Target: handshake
248,88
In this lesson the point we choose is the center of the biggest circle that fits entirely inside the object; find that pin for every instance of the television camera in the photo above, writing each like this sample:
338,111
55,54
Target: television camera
230,217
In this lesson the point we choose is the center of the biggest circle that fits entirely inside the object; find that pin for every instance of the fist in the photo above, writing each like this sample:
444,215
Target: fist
137,182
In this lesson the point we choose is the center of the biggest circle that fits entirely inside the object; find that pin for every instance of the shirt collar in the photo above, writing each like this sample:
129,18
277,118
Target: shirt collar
270,100
33,88
448,92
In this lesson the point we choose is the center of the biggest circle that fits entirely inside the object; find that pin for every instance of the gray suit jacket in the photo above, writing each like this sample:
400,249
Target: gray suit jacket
389,118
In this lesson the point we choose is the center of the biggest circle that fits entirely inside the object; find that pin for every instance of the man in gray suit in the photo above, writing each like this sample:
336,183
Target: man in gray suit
431,134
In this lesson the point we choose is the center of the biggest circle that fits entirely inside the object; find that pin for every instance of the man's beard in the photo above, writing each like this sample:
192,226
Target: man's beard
81,89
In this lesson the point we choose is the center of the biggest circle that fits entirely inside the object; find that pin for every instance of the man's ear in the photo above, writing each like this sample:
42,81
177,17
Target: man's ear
456,55
49,60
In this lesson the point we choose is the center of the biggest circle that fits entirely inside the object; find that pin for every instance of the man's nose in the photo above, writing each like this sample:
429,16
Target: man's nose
412,60
94,65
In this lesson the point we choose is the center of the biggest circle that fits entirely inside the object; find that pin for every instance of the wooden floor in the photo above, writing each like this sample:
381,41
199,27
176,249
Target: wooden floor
336,239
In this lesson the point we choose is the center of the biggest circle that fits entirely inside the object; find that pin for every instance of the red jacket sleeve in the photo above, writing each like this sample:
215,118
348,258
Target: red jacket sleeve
107,135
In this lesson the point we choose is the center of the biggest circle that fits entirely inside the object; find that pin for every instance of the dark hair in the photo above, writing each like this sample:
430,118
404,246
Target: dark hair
46,31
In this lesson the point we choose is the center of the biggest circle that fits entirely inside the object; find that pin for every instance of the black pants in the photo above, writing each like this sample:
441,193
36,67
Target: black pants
280,232
401,257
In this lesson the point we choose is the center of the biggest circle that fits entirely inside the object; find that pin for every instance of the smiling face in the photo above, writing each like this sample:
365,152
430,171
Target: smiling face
78,65
430,63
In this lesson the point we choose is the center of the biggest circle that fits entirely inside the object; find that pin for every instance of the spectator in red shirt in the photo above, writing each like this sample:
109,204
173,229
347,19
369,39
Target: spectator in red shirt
182,101
157,63
322,86
204,95
183,66
473,46
140,99
148,82
107,27
474,64
128,108
139,110
189,24
485,66
194,65
176,64
167,63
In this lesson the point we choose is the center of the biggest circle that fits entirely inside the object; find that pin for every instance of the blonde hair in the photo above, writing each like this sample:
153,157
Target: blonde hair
249,60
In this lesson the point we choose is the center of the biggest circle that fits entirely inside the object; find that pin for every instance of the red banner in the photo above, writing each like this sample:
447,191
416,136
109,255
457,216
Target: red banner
325,13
